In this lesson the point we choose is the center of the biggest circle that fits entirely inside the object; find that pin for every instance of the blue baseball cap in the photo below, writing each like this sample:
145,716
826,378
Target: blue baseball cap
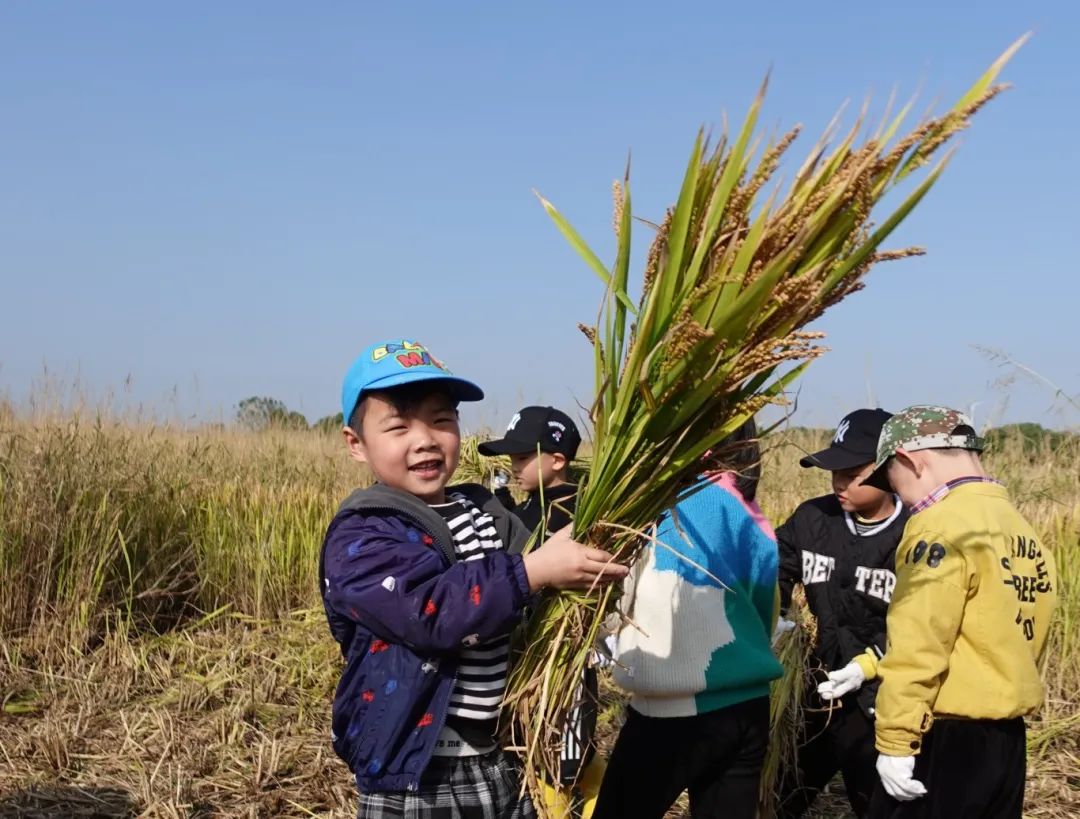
393,363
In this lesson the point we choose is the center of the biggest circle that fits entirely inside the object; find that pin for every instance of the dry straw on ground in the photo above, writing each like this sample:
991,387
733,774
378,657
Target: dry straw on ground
228,715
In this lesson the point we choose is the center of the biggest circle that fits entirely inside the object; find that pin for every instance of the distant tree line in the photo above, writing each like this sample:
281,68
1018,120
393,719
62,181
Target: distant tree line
1032,437
259,413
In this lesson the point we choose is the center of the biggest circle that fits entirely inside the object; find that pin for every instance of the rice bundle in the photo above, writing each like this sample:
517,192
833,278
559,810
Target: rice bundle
786,702
728,285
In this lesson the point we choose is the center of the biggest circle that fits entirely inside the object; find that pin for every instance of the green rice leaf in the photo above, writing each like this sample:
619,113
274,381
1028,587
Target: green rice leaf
584,251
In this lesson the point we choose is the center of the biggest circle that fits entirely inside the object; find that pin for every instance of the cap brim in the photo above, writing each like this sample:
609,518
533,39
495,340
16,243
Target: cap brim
458,388
835,459
505,446
879,478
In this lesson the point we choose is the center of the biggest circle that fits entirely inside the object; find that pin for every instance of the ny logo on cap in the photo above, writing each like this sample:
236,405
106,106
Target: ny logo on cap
841,431
514,421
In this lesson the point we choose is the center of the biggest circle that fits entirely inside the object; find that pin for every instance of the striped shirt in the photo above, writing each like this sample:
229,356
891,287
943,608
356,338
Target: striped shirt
481,676
864,528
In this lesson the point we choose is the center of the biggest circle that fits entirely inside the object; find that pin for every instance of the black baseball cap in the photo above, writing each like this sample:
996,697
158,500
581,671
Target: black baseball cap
854,443
545,427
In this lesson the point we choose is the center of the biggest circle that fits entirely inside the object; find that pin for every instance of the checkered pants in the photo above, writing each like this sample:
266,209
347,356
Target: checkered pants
470,787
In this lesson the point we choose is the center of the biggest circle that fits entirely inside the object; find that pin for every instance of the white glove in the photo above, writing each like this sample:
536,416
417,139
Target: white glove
783,626
847,679
896,775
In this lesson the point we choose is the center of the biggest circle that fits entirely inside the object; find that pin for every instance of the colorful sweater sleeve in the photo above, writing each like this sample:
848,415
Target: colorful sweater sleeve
765,590
753,546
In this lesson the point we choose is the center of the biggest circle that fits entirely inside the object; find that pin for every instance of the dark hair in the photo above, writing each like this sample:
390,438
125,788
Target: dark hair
740,453
404,399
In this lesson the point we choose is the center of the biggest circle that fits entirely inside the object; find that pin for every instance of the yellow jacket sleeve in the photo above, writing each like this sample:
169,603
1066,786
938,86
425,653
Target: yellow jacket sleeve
924,619
868,662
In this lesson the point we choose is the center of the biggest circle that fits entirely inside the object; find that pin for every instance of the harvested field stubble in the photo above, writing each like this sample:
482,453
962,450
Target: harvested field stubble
120,696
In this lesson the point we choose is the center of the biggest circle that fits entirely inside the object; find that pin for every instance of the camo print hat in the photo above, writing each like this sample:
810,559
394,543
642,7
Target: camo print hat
921,427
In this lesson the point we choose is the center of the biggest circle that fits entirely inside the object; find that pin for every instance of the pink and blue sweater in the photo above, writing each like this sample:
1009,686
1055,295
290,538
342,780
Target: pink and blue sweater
702,607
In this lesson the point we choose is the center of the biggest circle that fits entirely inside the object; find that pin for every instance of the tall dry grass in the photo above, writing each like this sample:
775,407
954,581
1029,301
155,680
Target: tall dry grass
160,640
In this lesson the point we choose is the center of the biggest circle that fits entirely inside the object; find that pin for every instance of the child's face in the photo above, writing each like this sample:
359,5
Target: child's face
853,495
415,450
531,471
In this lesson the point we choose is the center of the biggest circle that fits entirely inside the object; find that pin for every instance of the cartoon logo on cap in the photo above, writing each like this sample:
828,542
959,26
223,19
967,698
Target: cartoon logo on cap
408,354
557,430
841,431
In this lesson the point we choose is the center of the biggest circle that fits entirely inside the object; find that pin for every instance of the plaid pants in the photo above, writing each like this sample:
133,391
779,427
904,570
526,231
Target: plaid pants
470,787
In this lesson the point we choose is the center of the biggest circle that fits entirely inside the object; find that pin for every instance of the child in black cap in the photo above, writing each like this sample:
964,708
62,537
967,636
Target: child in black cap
542,442
841,547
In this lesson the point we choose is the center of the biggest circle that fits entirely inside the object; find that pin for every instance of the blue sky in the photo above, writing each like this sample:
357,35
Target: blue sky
205,201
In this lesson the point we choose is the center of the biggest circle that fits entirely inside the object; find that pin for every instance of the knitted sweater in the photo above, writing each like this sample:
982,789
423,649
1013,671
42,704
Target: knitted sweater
699,640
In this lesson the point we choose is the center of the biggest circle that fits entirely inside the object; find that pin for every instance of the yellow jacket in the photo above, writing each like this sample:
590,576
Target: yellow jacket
969,617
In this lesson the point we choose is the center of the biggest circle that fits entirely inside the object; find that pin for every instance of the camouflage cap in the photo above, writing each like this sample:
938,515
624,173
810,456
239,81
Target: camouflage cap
922,427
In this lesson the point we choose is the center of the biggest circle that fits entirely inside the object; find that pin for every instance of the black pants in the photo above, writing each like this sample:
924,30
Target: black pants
972,769
716,756
838,740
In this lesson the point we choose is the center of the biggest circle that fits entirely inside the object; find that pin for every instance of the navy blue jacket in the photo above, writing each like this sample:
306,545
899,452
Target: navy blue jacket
401,606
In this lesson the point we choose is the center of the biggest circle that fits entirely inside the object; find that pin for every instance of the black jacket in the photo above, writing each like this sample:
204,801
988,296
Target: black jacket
559,502
848,578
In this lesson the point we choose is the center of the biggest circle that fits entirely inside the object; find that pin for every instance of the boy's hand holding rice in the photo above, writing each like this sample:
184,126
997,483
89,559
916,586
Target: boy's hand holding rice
563,563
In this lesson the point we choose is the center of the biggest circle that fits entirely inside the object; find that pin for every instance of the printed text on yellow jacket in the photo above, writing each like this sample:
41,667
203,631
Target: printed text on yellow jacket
969,616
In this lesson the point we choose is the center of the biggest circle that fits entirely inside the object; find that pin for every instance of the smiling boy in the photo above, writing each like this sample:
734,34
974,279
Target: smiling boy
422,583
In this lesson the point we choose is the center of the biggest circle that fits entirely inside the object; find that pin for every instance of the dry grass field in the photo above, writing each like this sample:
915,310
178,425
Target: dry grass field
162,648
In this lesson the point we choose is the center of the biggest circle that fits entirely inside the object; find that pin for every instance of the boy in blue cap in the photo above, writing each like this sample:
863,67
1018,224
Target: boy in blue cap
422,583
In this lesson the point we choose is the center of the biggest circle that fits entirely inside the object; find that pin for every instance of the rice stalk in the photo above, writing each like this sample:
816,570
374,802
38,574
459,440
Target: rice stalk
239,687
729,285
